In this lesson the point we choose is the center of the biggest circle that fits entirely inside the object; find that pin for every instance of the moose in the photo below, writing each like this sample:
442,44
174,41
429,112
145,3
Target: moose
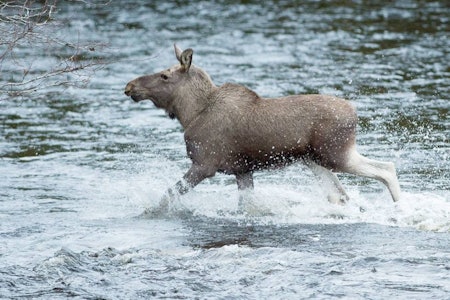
232,130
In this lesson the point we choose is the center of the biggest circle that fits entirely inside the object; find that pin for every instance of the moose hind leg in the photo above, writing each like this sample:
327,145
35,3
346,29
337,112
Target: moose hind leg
382,171
336,193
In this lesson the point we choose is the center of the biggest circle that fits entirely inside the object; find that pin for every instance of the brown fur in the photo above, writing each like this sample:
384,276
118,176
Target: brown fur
231,129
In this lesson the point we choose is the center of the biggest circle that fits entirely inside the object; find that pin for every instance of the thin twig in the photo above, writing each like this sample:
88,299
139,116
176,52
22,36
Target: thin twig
31,23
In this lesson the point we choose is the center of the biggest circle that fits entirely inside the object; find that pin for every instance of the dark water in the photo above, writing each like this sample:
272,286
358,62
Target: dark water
79,165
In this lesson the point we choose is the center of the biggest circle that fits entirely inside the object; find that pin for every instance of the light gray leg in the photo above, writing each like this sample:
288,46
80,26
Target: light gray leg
245,184
244,181
336,193
247,203
382,171
192,177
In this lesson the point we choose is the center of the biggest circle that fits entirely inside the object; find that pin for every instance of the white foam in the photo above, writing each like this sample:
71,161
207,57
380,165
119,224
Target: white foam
292,201
285,203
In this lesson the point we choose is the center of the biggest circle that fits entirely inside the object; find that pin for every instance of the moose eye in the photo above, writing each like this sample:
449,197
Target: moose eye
164,76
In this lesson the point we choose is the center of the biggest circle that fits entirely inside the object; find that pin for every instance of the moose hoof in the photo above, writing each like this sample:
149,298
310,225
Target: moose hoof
338,199
252,209
156,212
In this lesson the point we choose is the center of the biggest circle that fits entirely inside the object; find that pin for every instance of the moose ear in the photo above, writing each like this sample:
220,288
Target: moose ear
186,59
177,52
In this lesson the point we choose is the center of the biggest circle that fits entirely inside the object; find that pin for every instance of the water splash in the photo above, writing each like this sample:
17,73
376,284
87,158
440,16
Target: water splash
283,203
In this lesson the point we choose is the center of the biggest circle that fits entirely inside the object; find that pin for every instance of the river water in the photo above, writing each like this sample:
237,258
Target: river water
80,165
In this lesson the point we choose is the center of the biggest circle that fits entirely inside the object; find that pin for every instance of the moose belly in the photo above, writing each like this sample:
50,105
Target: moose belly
243,163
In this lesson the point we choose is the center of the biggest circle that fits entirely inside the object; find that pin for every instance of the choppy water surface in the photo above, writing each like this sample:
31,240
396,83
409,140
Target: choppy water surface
79,165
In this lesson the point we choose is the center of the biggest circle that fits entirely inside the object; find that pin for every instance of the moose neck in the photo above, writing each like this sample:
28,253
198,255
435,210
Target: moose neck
192,98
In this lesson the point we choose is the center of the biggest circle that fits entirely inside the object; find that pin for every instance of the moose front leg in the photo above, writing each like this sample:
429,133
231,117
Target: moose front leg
244,181
247,202
245,184
193,176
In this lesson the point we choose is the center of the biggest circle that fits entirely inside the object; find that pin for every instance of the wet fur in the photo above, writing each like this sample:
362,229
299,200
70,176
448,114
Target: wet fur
233,130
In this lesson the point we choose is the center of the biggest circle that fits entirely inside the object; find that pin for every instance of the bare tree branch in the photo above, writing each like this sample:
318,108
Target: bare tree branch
29,26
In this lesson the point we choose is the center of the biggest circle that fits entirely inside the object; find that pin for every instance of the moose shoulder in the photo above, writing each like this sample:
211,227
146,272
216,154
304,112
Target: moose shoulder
231,129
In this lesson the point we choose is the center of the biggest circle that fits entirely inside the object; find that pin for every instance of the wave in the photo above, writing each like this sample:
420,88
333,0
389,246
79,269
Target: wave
284,204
